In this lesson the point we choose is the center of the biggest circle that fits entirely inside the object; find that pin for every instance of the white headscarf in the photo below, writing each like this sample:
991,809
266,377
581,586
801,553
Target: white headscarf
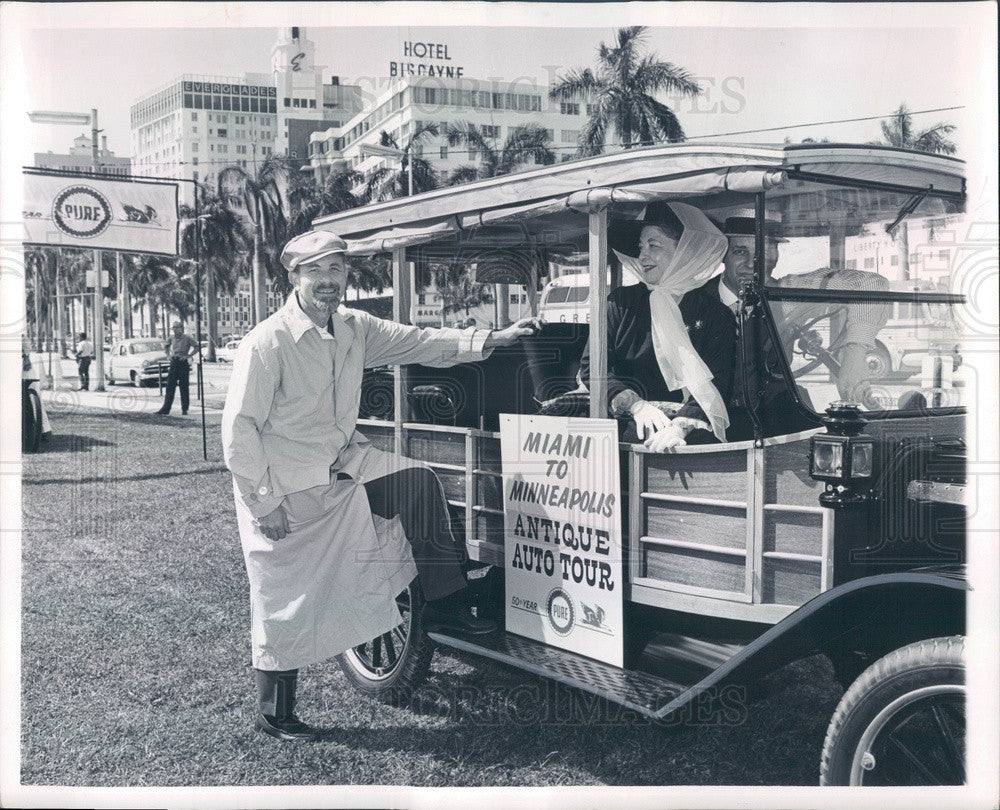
698,255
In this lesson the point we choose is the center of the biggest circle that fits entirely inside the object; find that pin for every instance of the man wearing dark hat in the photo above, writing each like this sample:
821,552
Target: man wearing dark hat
861,324
332,528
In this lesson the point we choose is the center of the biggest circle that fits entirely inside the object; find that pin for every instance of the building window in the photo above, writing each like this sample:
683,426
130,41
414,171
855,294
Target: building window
569,108
223,133
869,263
944,255
894,260
569,135
194,161
591,109
194,146
194,116
444,153
851,264
312,103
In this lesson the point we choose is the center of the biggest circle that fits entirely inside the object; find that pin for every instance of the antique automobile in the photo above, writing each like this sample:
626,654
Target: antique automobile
836,527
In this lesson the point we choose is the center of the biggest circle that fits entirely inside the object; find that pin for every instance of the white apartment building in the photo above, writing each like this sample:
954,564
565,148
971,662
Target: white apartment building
80,158
495,106
931,247
195,125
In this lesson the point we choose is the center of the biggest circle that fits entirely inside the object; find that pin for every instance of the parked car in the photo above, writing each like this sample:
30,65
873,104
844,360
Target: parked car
226,353
566,299
35,427
139,361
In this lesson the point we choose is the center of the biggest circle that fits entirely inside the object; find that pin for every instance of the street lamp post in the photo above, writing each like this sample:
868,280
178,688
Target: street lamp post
49,117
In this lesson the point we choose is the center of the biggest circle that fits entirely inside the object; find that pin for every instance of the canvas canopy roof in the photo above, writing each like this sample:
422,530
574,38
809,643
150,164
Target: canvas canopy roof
515,209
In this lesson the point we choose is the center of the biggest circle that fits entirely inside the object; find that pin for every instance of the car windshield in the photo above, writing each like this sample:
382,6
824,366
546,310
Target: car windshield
146,346
895,353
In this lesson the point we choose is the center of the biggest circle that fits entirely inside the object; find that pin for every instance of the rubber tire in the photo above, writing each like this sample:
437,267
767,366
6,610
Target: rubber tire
881,354
412,669
924,663
31,421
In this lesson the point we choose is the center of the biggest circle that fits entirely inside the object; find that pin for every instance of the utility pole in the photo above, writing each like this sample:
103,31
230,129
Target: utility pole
98,289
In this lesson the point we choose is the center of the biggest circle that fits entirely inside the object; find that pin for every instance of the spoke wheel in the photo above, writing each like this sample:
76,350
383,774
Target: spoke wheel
391,665
902,722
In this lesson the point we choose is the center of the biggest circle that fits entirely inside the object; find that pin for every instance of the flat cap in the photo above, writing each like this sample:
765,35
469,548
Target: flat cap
310,246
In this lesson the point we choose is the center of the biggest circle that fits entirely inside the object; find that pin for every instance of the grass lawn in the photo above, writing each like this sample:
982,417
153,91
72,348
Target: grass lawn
136,658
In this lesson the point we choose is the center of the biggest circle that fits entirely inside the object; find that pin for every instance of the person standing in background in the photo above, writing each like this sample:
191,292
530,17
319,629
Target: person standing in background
84,354
179,349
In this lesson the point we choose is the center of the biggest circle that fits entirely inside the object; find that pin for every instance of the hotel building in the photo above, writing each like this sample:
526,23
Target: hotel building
193,126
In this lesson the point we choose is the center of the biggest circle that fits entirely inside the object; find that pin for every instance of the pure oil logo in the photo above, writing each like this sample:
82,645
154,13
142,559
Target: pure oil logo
561,613
81,211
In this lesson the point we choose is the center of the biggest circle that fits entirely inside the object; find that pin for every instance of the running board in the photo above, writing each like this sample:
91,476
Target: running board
639,691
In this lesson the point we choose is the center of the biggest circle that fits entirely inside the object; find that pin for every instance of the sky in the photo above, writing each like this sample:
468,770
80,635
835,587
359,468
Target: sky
778,72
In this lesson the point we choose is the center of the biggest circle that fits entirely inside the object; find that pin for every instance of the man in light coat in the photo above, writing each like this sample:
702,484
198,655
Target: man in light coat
308,487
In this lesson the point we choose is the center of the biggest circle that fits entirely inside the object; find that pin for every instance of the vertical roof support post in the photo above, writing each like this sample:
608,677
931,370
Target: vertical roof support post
597,247
400,314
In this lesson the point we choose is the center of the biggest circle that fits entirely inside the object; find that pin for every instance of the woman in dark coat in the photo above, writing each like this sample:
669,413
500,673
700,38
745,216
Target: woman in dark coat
671,347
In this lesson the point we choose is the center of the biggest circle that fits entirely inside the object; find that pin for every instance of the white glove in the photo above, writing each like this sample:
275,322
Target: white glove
648,419
670,437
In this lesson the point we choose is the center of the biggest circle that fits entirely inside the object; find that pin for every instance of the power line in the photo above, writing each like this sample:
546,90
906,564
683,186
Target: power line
554,148
823,123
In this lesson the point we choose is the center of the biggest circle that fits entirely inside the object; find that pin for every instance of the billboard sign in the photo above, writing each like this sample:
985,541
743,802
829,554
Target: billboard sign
67,210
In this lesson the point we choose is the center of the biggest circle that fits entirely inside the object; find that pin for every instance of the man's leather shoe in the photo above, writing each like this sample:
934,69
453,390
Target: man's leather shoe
162,412
290,729
458,620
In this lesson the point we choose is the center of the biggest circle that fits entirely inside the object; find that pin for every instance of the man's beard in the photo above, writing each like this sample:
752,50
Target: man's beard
327,298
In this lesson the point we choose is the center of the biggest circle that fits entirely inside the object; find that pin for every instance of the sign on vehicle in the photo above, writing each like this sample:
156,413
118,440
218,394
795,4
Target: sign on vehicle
562,533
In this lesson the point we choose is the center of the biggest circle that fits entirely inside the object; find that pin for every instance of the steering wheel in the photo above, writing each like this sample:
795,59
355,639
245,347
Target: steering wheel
807,343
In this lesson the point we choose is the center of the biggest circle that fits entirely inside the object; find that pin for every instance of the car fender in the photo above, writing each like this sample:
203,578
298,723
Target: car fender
873,614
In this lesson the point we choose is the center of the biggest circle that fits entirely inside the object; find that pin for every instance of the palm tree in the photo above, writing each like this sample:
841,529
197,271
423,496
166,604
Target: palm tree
221,242
261,198
369,273
621,94
525,143
898,131
176,293
385,183
146,273
38,264
458,289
